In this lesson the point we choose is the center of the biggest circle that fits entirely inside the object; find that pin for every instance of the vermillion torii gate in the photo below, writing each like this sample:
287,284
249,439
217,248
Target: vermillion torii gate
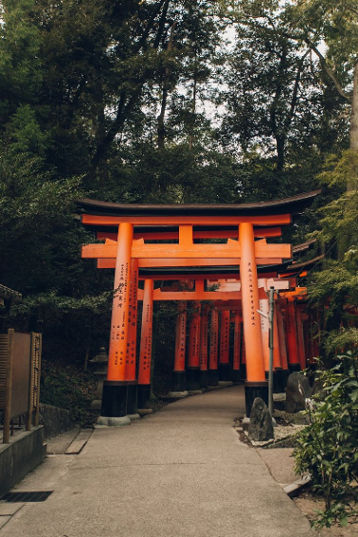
130,253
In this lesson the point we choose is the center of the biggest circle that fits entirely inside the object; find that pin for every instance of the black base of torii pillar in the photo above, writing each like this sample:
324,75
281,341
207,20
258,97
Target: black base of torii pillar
253,390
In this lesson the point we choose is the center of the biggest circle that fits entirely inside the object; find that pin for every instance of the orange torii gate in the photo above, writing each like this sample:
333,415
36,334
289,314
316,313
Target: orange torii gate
135,223
228,295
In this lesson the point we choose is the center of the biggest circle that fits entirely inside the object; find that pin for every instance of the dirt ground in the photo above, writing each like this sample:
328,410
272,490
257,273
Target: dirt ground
280,464
309,505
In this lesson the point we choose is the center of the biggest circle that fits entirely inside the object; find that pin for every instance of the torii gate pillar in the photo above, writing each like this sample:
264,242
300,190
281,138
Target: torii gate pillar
114,399
256,384
204,324
225,371
292,343
213,348
145,353
193,370
179,378
237,349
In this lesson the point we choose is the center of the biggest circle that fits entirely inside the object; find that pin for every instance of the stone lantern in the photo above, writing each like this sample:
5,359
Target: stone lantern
100,363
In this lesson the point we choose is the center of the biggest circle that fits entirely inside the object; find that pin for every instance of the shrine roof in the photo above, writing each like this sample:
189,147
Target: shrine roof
9,294
291,205
305,264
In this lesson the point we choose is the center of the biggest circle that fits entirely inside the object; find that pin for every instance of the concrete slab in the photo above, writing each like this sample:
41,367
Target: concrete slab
181,472
280,464
79,442
4,520
58,444
8,509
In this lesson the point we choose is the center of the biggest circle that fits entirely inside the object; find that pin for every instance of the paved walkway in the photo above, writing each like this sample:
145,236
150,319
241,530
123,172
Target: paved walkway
179,473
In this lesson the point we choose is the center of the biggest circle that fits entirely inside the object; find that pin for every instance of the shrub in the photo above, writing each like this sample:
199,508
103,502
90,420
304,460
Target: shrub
327,448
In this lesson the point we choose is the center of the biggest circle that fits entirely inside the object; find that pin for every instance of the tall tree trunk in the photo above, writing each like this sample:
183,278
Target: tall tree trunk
344,240
353,133
166,83
280,149
193,109
161,125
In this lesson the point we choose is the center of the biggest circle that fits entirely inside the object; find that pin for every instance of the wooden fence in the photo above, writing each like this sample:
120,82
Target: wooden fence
20,372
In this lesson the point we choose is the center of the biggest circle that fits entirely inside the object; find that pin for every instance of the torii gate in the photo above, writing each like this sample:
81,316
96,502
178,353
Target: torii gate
130,253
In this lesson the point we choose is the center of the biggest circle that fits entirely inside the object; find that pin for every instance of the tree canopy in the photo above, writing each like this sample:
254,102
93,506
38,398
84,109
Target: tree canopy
167,101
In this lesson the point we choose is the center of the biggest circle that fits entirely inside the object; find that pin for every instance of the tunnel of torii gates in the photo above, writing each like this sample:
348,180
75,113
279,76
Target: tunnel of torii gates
220,266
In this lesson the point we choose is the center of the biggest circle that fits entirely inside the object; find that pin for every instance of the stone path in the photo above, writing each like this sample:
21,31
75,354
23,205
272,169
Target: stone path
181,472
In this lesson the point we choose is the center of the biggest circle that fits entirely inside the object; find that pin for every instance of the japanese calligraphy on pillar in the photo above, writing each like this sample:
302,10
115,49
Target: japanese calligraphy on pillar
132,322
204,341
255,362
179,364
146,335
194,339
237,342
213,347
120,307
119,322
147,348
253,314
225,337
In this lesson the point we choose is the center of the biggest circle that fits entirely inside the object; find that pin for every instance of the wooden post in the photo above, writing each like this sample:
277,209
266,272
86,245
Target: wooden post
180,342
132,339
213,348
237,348
256,384
291,333
193,373
204,322
114,401
7,358
224,356
300,338
283,349
145,354
277,361
264,323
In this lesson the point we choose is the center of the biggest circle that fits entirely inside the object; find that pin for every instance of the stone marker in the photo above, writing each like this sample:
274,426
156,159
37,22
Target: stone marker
297,390
260,427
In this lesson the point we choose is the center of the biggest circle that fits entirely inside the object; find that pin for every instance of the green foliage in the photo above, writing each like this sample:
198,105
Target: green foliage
341,170
143,102
327,449
66,386
334,288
